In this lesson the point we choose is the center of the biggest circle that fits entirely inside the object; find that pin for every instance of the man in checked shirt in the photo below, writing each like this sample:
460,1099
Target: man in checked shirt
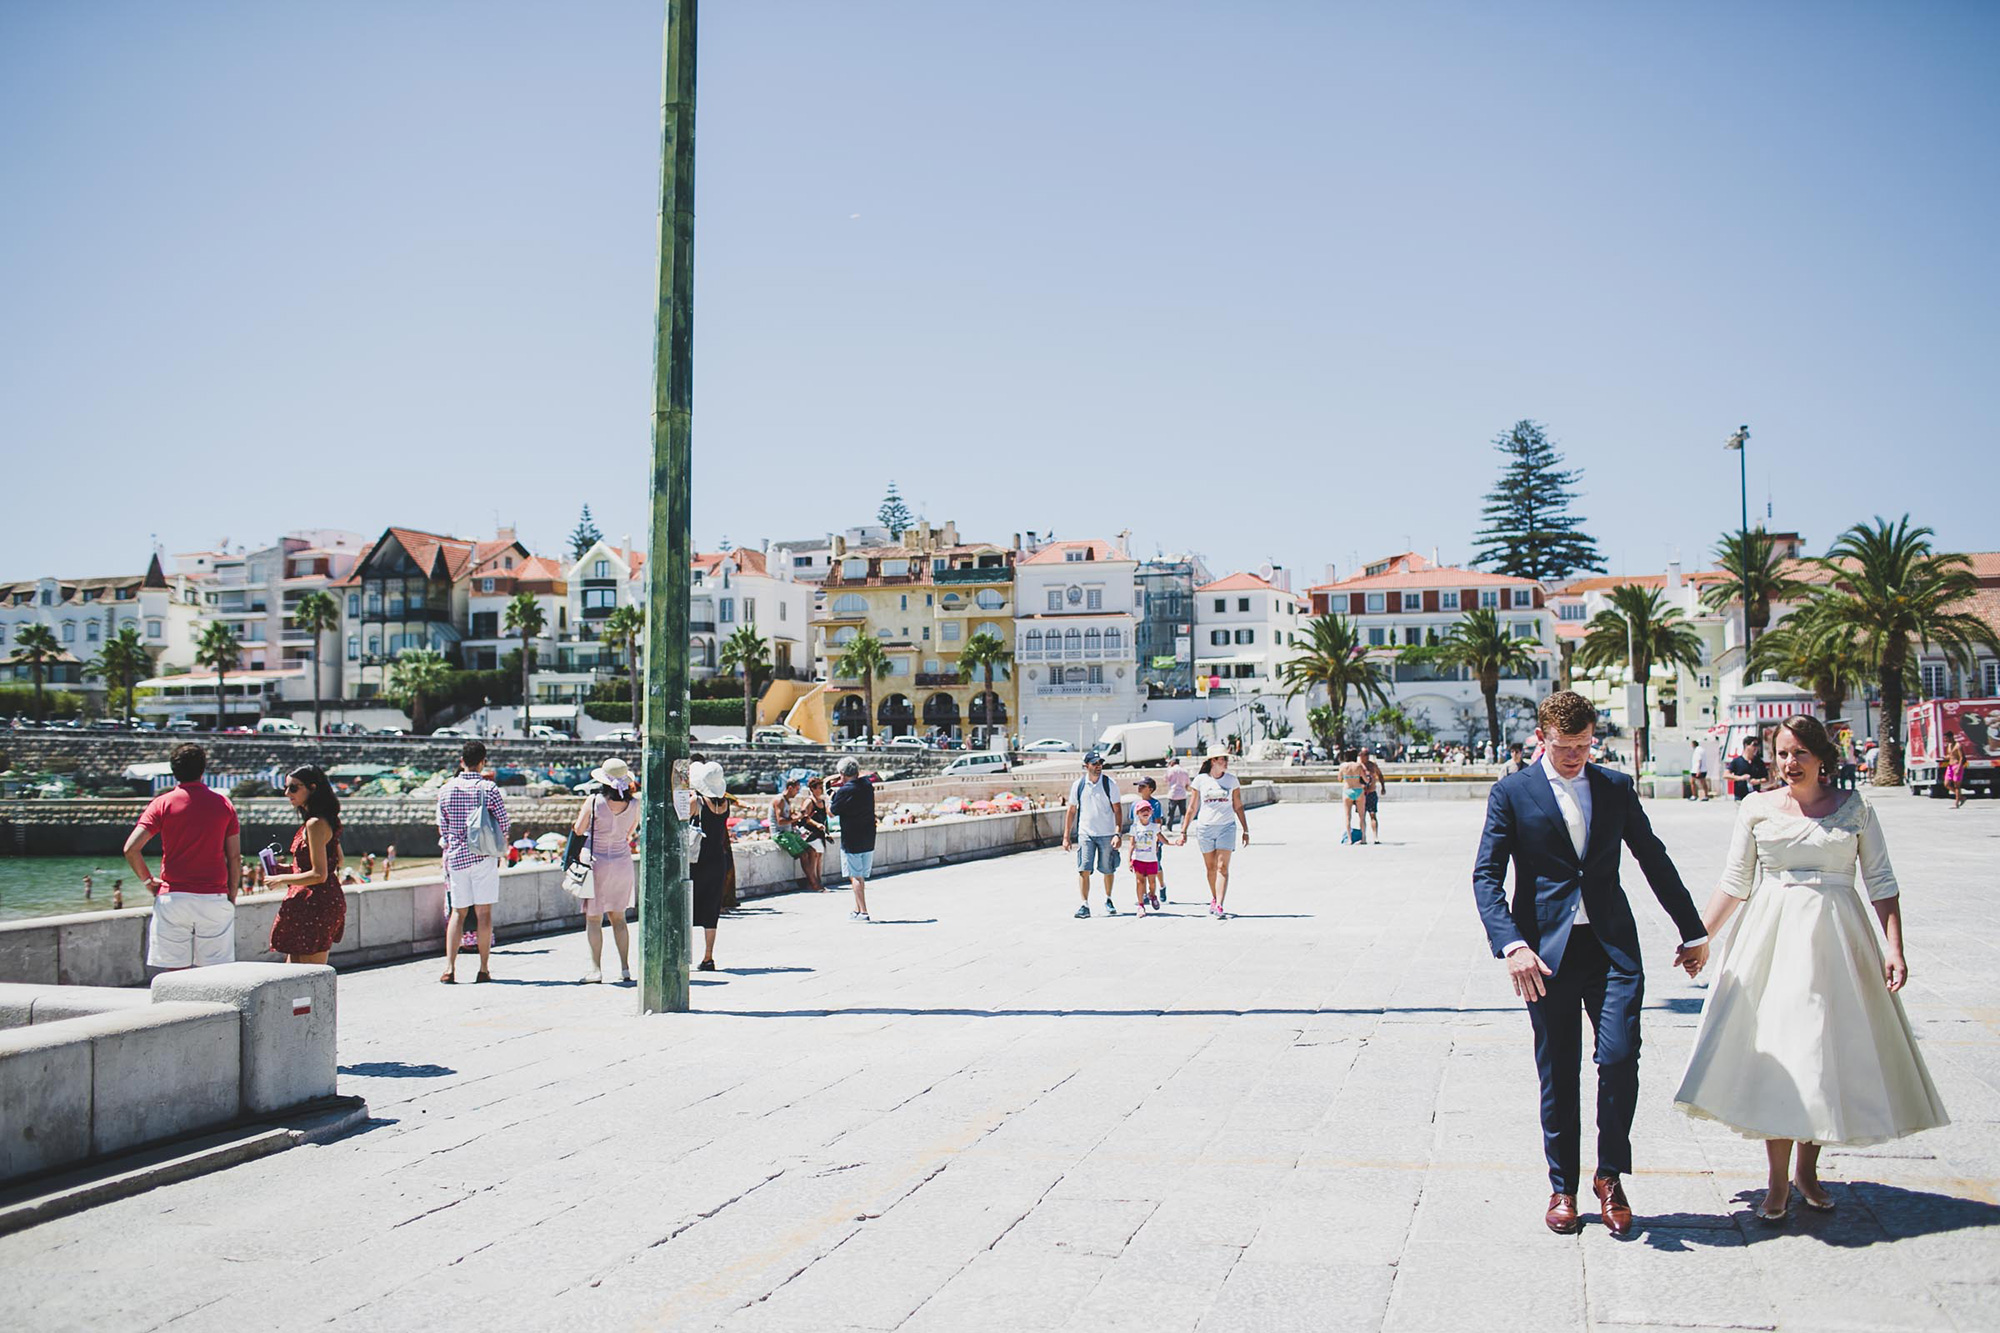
471,880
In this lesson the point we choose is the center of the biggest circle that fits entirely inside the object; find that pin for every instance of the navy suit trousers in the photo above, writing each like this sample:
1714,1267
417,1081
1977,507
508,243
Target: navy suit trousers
1588,982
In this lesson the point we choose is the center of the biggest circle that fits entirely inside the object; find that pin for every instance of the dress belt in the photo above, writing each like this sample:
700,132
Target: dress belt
1811,879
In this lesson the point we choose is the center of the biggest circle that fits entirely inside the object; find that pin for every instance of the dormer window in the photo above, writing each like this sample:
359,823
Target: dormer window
601,570
895,569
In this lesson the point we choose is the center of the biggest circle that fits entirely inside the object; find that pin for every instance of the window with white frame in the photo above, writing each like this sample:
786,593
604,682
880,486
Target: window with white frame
1412,634
1055,599
1377,636
950,631
1093,599
895,569
596,599
154,629
725,610
750,610
1489,599
69,631
1114,642
1031,644
1413,601
1378,601
854,569
353,647
1989,678
1524,629
1570,611
1096,676
1073,643
1093,642
1523,597
1935,680
1448,600
1218,638
91,630
486,585
1246,636
1704,681
600,569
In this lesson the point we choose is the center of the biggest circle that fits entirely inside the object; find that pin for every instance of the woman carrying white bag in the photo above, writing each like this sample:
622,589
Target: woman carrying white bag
598,865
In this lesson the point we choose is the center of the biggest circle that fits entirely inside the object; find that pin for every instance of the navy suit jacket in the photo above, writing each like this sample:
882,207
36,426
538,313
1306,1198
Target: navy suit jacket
1524,825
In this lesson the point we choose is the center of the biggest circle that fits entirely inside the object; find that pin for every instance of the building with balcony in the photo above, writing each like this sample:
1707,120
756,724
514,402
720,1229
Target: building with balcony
492,587
1075,636
924,599
735,588
1406,599
413,589
83,613
255,592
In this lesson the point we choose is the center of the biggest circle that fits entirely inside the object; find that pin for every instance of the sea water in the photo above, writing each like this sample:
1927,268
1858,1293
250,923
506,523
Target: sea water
53,885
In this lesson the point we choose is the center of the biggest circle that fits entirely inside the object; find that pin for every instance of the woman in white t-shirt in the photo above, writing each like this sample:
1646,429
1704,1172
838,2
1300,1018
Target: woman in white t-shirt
1215,818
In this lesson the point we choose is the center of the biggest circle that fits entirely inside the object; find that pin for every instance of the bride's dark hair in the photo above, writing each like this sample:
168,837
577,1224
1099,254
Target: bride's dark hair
1810,732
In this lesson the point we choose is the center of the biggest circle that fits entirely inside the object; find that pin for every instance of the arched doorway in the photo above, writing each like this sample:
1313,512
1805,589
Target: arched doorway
897,715
850,716
989,717
941,714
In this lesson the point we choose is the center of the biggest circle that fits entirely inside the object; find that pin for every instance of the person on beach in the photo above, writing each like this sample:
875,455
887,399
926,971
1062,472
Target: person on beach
712,868
811,825
853,804
472,878
117,895
608,828
313,916
389,861
1353,793
86,887
1570,944
201,867
1215,819
1955,769
1142,846
1371,800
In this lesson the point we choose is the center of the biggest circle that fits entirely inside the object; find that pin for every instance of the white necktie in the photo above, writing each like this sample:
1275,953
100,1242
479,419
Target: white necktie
1572,816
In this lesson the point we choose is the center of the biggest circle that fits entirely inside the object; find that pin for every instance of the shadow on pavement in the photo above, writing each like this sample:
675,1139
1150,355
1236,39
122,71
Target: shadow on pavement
396,1069
1867,1214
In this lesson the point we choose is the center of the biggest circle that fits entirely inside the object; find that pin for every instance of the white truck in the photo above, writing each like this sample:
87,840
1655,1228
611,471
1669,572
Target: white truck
1136,742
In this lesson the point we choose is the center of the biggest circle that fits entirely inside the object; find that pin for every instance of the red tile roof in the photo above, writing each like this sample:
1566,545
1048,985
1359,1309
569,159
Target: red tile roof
1057,553
1241,583
746,561
1410,570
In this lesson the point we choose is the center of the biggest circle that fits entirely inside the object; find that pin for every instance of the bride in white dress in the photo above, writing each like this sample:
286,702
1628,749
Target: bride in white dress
1803,1038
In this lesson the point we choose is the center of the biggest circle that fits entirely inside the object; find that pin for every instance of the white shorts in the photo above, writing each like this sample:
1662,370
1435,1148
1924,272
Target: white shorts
1216,838
475,884
192,930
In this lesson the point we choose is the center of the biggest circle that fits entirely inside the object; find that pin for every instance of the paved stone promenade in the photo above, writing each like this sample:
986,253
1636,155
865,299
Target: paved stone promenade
977,1113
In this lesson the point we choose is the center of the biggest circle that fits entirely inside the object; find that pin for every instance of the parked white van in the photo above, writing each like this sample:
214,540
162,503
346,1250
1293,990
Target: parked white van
978,764
279,726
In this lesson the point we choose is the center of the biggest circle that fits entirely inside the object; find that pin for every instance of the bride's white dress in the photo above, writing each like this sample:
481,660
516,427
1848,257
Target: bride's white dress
1800,1039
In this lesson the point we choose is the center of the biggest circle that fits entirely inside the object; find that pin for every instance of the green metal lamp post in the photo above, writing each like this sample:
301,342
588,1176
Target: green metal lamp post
663,897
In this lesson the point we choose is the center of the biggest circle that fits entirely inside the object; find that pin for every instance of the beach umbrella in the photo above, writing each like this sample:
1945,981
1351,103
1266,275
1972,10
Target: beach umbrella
525,844
549,842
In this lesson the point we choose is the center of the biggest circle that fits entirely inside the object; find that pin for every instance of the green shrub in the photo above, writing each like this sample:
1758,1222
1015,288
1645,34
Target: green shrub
716,712
21,699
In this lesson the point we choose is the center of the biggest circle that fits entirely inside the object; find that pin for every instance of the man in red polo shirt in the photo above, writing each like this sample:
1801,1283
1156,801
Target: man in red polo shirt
201,868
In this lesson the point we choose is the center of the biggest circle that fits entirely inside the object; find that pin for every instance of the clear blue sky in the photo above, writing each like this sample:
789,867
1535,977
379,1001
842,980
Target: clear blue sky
1263,279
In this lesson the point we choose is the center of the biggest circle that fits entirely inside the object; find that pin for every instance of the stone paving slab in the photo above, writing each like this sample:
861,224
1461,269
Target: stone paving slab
978,1113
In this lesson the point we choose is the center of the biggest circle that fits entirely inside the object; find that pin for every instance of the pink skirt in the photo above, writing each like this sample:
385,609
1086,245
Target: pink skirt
612,882
1145,868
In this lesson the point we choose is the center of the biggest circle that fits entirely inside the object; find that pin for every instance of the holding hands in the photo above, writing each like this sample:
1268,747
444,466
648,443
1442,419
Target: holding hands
1691,958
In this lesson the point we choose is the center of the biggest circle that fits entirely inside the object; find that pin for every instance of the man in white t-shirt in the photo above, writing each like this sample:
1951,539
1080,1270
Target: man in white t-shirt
1093,822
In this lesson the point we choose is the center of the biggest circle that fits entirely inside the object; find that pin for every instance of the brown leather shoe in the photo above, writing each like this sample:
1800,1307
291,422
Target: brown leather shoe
1611,1205
1561,1217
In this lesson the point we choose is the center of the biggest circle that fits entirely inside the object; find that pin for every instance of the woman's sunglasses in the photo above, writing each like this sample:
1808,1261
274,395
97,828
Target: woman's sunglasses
291,787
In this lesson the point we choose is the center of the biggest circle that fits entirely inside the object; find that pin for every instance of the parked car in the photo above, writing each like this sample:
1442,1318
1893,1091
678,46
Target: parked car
279,726
906,743
979,764
182,724
391,731
1048,745
777,735
542,731
620,736
452,733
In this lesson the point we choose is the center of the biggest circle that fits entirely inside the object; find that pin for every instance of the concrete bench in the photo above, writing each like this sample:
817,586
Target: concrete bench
86,1071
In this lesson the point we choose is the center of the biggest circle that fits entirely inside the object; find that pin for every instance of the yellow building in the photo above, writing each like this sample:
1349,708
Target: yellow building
924,600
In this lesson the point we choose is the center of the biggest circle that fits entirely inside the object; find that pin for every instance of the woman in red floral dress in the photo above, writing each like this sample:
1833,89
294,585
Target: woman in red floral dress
314,914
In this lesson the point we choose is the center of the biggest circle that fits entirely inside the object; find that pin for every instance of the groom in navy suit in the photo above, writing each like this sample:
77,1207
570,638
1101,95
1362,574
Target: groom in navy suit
1570,943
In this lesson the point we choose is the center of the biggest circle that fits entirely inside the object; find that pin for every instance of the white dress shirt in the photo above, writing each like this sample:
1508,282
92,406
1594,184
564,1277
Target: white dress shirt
1572,796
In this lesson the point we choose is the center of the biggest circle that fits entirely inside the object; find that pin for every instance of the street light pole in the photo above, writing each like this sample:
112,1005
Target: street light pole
663,894
1739,440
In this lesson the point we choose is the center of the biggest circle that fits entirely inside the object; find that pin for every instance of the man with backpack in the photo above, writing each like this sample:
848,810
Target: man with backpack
472,834
1094,822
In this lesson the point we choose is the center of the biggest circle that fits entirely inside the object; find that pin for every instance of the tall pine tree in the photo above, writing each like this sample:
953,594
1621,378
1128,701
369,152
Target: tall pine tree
584,536
1529,530
894,514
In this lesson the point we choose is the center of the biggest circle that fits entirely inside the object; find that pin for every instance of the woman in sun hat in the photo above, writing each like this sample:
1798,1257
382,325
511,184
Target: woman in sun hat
711,869
608,825
1217,813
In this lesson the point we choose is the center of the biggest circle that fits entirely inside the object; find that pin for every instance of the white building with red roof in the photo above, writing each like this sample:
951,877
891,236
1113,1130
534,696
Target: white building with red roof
1075,641
1245,627
1407,599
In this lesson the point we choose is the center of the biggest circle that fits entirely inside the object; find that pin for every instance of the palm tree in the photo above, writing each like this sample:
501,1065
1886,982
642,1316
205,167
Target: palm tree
623,629
526,618
1478,642
1755,579
1808,650
1336,661
1639,629
983,652
121,662
37,646
863,659
745,650
415,677
317,614
219,650
1891,587
1322,720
